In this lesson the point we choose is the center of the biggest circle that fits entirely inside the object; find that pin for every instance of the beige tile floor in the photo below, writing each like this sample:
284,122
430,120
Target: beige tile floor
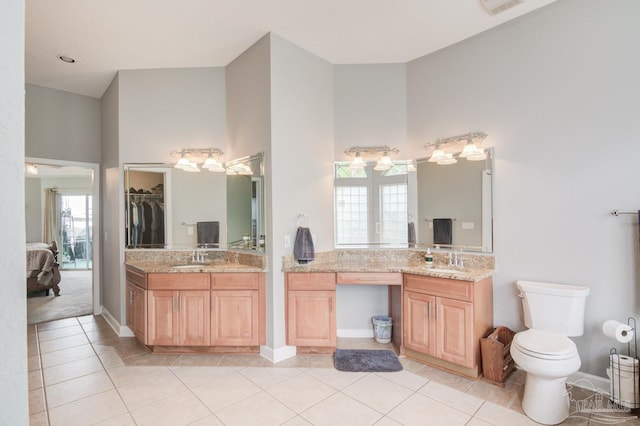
81,373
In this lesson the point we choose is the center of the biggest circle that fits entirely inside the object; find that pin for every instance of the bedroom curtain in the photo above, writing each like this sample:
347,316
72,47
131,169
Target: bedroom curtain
52,215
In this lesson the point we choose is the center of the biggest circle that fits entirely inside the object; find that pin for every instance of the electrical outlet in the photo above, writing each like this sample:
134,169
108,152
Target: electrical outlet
287,241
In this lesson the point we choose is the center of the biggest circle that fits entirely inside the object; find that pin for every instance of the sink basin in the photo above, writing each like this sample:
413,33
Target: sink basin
188,267
445,271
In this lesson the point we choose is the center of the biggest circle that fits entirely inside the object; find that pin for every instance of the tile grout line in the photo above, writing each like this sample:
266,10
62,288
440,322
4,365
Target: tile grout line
44,389
104,368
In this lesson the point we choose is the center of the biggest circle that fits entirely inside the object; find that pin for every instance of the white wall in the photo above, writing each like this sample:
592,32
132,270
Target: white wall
557,92
14,404
61,125
302,156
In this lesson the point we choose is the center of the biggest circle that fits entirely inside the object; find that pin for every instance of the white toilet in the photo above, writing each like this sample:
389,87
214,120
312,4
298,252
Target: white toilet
551,313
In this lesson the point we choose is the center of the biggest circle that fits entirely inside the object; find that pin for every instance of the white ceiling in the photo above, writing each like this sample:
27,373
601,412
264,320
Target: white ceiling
110,35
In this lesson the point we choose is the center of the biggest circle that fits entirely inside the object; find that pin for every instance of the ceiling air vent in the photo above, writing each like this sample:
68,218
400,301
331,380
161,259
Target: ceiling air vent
496,6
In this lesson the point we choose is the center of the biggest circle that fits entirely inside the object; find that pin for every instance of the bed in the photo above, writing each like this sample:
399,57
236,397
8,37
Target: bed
43,271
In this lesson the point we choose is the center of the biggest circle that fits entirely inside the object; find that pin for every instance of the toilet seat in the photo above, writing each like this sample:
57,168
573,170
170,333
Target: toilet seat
545,345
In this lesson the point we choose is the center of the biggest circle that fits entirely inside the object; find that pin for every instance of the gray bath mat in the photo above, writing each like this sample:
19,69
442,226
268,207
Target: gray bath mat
366,360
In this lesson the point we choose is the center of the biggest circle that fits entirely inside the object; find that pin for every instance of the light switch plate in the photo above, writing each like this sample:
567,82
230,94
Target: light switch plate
287,241
468,225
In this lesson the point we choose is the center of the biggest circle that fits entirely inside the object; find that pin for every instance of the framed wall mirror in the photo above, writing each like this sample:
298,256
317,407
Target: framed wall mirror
451,205
175,209
399,207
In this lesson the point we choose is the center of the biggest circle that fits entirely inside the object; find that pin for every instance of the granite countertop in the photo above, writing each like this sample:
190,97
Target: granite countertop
176,267
417,268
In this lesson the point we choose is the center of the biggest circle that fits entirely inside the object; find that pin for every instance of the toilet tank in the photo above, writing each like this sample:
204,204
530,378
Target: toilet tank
553,307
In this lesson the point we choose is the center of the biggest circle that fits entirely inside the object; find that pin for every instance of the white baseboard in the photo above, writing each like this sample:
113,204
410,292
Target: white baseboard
590,382
279,354
355,332
121,330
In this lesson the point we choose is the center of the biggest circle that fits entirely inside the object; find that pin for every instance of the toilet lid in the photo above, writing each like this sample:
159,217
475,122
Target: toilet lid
545,344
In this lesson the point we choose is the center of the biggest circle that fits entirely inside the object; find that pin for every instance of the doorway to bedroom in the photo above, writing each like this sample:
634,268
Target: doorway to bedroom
60,201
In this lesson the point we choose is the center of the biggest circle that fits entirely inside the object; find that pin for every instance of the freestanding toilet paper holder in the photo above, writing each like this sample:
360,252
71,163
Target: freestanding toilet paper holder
624,373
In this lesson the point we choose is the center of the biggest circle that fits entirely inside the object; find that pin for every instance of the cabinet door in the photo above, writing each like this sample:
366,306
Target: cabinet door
139,314
163,320
235,318
311,317
194,318
420,322
455,331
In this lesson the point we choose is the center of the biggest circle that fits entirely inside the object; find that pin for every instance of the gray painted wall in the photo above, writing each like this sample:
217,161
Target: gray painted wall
557,91
248,91
111,220
248,102
14,404
61,125
165,110
370,110
35,196
302,155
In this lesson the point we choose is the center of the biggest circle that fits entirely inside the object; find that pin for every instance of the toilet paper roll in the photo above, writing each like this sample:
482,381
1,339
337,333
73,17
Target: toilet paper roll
623,333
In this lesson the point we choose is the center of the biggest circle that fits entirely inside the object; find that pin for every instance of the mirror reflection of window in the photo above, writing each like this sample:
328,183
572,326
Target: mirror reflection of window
393,203
370,205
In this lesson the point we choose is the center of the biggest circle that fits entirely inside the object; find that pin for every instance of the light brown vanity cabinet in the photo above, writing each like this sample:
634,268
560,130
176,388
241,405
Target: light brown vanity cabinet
237,312
444,320
311,309
178,317
137,303
218,312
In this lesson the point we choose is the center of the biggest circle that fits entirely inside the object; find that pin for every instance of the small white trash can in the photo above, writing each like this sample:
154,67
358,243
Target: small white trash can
382,328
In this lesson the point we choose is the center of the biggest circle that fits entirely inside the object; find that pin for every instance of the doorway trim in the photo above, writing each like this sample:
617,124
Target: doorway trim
95,256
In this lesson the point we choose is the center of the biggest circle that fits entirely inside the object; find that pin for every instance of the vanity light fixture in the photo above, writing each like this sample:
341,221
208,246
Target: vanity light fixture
463,146
357,163
239,167
384,161
32,169
190,157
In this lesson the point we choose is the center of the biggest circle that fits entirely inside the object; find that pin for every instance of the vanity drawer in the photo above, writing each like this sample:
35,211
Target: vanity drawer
370,278
136,277
235,280
444,287
179,281
311,281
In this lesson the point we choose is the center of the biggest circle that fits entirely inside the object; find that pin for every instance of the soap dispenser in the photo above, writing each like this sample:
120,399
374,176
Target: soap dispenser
428,258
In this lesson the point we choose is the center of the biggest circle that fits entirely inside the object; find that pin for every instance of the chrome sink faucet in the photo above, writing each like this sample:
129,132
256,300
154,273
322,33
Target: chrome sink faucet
455,260
197,256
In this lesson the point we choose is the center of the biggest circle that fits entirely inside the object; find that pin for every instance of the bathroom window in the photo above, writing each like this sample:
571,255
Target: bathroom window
393,208
351,214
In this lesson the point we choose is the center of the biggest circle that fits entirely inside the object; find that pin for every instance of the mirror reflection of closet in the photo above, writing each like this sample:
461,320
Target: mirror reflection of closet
146,211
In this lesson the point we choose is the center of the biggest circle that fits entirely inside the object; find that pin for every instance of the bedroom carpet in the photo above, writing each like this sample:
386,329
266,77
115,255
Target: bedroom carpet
75,299
366,360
